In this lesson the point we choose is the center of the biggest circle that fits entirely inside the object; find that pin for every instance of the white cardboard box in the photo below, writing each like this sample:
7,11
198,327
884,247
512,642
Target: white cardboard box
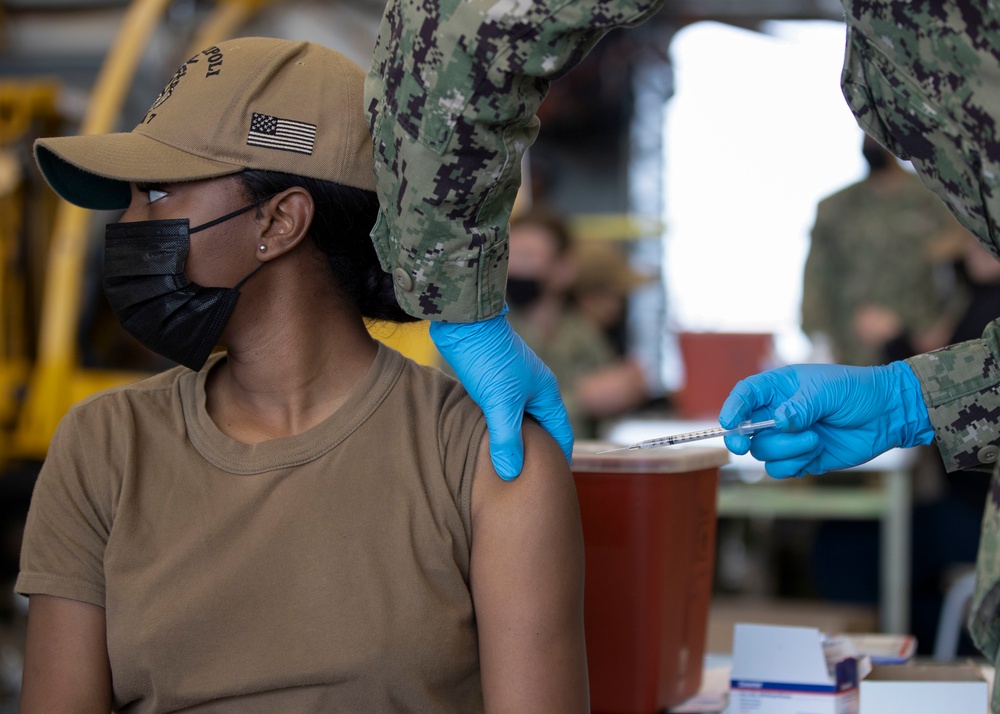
924,689
884,649
784,670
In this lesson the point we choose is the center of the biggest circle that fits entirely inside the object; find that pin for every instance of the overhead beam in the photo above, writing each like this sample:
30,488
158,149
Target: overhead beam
750,12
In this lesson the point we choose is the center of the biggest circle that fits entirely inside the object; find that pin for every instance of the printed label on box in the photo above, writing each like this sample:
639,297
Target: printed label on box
790,670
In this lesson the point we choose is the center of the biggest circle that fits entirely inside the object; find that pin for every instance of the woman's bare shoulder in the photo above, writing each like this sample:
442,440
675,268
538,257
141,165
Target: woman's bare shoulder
527,582
545,480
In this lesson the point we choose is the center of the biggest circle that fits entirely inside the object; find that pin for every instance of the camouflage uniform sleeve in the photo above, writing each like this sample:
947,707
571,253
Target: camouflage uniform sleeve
961,387
923,79
451,98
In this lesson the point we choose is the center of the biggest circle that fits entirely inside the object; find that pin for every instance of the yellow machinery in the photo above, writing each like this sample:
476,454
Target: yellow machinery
22,106
34,396
56,379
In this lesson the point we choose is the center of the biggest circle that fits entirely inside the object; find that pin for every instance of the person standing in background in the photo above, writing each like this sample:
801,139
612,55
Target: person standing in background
876,269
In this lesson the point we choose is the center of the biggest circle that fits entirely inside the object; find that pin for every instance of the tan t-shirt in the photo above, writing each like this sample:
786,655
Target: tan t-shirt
325,572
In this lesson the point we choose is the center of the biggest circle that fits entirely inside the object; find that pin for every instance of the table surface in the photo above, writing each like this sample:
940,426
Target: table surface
713,696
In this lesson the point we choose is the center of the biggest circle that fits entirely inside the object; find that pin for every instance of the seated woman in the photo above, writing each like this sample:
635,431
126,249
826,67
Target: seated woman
305,521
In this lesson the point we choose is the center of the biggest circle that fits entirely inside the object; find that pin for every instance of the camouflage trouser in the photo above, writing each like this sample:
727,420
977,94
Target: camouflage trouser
451,97
984,617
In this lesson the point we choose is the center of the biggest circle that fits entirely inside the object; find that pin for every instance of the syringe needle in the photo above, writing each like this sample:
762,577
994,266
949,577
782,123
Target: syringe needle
745,427
609,451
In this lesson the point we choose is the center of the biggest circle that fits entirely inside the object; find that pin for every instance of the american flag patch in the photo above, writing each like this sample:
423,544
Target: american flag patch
284,134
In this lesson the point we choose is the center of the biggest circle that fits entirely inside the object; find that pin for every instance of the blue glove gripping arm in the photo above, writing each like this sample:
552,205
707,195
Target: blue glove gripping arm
506,379
827,416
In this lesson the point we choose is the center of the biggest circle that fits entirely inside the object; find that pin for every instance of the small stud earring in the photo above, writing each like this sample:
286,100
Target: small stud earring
263,248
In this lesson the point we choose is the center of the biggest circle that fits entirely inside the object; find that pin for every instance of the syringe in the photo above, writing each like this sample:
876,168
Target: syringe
744,427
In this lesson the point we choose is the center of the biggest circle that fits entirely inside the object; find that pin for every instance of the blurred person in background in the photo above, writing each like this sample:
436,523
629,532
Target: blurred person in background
604,280
981,273
595,382
878,267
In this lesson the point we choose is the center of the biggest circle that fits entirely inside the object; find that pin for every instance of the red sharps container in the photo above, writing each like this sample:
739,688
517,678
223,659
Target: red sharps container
649,522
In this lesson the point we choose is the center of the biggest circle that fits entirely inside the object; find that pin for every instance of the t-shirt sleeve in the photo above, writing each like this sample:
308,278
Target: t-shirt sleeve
462,429
69,521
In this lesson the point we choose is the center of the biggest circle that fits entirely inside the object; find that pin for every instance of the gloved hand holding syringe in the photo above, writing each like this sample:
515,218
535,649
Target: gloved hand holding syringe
745,428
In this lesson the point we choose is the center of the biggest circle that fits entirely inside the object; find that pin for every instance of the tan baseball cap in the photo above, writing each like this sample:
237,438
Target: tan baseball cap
249,103
603,267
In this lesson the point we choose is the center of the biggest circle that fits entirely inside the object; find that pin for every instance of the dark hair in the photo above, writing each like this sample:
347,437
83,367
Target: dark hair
549,220
341,227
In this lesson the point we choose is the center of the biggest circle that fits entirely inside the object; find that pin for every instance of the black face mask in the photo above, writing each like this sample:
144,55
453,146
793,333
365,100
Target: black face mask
522,292
154,301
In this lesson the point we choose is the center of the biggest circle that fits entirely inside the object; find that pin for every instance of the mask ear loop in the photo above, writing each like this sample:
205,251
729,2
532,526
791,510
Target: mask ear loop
226,217
252,273
235,213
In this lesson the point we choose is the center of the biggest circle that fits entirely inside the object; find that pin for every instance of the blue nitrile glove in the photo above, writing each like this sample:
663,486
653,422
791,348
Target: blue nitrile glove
506,379
827,416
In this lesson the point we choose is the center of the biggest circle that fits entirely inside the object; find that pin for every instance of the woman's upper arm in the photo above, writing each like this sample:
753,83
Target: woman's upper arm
527,582
66,668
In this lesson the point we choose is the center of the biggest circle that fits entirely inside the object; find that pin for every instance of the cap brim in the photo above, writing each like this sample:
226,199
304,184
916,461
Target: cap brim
621,286
95,171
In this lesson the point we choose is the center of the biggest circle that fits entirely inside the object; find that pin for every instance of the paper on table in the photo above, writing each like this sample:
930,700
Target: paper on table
713,695
989,674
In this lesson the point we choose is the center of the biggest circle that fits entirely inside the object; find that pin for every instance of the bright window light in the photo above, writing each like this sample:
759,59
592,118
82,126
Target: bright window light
757,133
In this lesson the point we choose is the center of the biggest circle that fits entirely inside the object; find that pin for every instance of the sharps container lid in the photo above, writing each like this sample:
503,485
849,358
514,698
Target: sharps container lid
667,459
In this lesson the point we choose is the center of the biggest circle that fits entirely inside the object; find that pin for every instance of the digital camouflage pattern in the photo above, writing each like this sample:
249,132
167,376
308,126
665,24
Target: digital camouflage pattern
858,232
923,78
451,97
